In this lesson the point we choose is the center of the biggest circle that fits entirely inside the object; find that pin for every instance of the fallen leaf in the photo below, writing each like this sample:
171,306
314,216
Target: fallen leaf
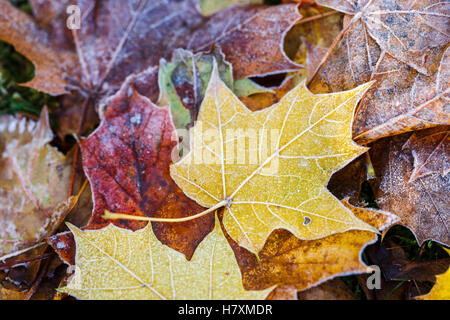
334,289
441,290
408,30
34,182
127,162
53,65
430,150
141,267
403,100
287,260
277,185
208,7
423,203
108,60
184,79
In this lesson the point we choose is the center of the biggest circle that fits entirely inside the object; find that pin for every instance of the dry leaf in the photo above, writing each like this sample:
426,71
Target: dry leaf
430,150
403,100
408,30
140,267
53,65
287,260
422,204
280,184
34,182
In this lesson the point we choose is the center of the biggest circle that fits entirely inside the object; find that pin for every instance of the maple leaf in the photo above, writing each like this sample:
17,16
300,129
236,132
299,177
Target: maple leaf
441,289
430,150
408,30
164,25
184,79
127,162
34,182
421,202
402,99
310,140
287,260
143,268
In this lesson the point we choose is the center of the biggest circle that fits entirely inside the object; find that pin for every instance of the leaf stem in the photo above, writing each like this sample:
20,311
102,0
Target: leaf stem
111,215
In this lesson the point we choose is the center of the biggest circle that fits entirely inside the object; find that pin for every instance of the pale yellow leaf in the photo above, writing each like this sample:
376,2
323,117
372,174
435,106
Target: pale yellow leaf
272,166
115,263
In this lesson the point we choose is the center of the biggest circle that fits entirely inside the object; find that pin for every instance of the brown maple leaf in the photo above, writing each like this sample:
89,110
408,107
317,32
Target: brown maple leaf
148,31
411,90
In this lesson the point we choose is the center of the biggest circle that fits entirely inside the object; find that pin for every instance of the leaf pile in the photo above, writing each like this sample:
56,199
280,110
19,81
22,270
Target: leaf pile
227,150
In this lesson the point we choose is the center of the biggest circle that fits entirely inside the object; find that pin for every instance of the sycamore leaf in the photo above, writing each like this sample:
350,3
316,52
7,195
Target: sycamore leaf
34,182
441,289
281,184
141,267
421,202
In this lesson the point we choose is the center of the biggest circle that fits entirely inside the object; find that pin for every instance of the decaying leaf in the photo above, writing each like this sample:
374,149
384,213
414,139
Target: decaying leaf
405,96
106,61
208,7
408,30
34,182
430,150
278,179
143,268
421,203
287,260
127,162
441,290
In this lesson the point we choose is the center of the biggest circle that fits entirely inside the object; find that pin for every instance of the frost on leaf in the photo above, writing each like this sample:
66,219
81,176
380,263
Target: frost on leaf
115,263
272,166
34,181
406,186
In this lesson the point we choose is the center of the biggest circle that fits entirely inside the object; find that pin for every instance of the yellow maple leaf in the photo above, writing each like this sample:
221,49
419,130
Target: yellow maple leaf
115,263
441,289
270,168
